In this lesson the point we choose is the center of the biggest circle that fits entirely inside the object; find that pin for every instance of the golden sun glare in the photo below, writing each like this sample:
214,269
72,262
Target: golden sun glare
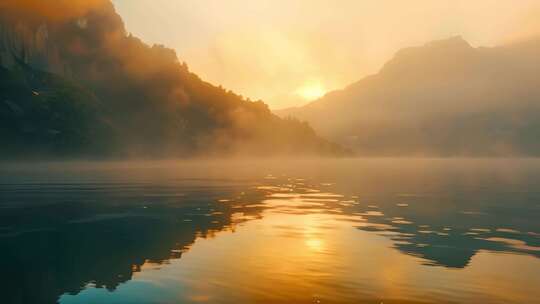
311,91
315,244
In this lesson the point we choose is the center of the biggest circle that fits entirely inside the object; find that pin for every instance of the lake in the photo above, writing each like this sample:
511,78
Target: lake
271,231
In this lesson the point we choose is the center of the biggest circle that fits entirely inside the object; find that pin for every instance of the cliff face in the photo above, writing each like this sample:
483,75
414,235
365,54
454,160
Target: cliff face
443,98
31,31
153,103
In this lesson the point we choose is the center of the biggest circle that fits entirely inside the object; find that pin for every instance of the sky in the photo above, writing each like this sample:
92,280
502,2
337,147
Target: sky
289,52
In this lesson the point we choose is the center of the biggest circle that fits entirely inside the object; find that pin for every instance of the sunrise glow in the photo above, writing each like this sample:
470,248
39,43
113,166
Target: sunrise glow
311,91
269,151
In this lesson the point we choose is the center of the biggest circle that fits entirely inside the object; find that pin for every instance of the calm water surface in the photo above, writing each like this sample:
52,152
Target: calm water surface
314,231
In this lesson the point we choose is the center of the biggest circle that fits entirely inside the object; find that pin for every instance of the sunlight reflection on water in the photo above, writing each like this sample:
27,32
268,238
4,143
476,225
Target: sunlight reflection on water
278,239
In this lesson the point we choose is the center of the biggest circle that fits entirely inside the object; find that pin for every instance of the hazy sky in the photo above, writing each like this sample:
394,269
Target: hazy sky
289,51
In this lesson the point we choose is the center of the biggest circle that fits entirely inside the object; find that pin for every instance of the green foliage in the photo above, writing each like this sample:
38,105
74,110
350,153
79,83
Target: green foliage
117,96
42,114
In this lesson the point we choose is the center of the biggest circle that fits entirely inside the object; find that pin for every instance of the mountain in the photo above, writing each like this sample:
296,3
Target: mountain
445,98
45,114
75,83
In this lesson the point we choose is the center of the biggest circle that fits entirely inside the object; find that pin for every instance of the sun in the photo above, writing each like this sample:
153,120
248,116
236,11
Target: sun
311,90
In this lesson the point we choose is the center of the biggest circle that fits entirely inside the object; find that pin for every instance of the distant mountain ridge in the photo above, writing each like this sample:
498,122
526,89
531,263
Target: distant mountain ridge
445,98
148,102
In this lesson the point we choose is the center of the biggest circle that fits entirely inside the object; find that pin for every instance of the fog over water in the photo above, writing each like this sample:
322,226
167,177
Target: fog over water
139,165
272,231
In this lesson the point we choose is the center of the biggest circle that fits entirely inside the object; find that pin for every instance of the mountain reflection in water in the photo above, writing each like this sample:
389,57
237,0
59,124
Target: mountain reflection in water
334,232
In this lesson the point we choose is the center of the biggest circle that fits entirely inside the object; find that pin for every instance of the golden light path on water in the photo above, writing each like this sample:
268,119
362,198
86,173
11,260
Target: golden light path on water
304,247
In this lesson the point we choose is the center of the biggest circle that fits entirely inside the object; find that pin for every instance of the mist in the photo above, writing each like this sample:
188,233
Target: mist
78,83
442,98
145,162
269,49
139,100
